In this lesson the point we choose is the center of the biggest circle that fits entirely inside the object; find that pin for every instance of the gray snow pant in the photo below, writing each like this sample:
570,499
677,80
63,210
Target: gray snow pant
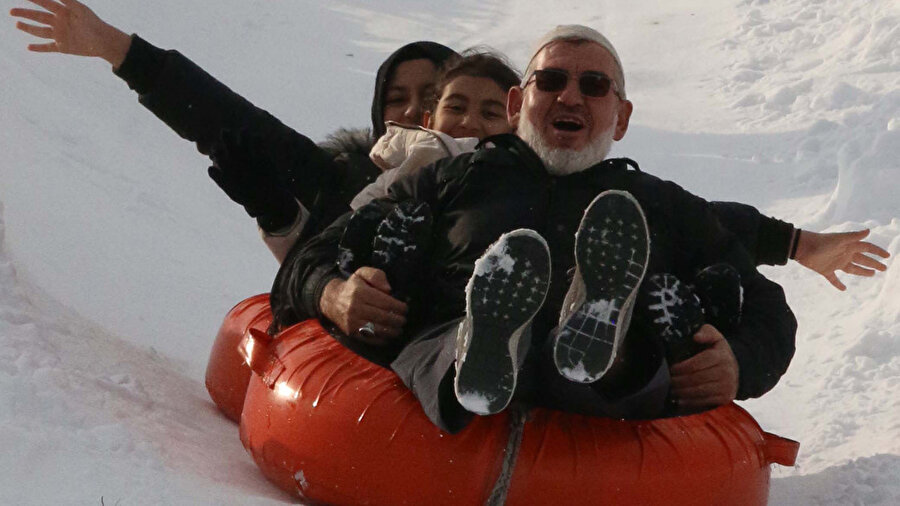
426,367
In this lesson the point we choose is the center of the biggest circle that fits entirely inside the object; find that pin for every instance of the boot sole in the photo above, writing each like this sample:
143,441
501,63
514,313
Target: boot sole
505,292
611,252
674,314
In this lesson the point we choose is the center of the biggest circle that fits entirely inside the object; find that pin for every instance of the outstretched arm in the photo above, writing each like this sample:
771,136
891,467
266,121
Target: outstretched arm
770,241
198,107
845,251
74,29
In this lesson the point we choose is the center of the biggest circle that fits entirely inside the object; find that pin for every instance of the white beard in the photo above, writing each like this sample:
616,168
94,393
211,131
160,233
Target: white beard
559,161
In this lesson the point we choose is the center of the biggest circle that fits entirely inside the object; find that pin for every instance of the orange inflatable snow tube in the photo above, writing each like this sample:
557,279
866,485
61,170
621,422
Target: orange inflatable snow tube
332,428
227,374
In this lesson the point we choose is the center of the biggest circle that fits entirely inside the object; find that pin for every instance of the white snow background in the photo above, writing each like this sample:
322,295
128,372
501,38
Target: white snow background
119,257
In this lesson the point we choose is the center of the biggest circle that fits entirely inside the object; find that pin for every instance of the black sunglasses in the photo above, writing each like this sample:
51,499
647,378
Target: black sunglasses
590,83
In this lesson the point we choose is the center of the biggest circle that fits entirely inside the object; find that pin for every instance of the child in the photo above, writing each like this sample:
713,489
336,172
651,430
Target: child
468,104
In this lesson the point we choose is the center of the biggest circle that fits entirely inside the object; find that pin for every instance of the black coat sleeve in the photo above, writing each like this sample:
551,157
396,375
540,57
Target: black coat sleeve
768,240
198,107
308,267
763,343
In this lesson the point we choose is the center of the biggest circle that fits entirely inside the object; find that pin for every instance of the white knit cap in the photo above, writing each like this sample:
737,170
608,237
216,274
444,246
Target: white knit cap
577,32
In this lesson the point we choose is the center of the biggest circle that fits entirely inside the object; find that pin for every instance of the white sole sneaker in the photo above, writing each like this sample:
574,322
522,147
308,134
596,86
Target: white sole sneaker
611,251
504,294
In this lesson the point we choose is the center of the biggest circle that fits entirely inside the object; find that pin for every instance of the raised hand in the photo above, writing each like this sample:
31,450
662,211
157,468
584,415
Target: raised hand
845,251
74,29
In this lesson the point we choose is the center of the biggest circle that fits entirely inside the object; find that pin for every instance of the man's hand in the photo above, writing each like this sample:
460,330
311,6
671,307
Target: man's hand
846,251
74,29
708,379
361,299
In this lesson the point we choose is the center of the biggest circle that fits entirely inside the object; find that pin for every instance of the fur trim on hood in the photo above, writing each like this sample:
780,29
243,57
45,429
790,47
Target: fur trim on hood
349,140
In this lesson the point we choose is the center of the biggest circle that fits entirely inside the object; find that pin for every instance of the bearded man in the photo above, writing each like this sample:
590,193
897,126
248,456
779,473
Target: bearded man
538,249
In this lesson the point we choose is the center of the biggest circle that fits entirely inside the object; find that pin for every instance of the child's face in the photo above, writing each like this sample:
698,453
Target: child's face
470,107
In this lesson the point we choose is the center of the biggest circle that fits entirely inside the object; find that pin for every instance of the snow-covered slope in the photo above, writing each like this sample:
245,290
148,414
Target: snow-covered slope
118,257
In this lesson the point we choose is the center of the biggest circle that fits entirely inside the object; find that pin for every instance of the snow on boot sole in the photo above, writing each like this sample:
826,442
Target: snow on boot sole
506,290
673,313
611,252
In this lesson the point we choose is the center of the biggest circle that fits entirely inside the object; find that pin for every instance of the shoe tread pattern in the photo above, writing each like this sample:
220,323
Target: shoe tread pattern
611,251
509,291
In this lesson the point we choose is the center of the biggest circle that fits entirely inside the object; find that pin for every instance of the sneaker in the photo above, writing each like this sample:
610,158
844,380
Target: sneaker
721,296
504,294
611,252
670,311
400,244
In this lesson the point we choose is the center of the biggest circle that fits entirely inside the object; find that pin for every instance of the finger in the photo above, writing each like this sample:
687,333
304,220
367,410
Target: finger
867,261
872,249
379,316
387,331
858,271
707,334
50,47
51,6
375,278
381,337
697,392
683,381
378,297
833,279
33,15
38,31
719,387
855,235
375,333
370,296
704,360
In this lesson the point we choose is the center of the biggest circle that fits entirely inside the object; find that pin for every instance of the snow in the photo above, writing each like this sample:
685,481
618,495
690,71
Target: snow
475,402
119,258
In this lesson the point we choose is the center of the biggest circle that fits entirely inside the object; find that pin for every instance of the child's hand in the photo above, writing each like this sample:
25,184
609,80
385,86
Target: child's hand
845,251
74,29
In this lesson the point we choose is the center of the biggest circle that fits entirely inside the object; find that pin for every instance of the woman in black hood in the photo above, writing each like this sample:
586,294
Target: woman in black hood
259,162
431,52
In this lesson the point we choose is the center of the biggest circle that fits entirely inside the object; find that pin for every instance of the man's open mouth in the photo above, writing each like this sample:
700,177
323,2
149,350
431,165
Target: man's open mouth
568,124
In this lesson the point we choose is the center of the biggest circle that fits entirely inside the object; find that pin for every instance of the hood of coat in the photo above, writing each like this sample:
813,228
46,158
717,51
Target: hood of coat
437,53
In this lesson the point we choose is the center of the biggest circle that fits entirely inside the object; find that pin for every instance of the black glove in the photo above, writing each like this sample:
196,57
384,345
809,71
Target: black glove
246,173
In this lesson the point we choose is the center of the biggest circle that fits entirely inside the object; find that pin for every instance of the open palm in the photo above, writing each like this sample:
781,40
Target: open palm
72,28
845,251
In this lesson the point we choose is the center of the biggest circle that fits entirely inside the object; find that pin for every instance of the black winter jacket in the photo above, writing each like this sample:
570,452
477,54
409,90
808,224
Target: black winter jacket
324,178
198,107
476,197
